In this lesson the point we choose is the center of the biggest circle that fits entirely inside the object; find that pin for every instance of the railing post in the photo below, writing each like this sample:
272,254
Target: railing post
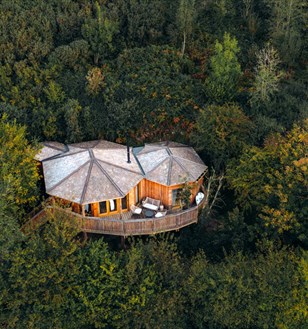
83,212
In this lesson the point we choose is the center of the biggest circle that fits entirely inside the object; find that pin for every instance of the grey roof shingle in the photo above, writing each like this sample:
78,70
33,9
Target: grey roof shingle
170,163
98,170
89,172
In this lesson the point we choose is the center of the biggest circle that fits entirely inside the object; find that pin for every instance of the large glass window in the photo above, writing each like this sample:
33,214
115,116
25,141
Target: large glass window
102,207
113,205
137,194
106,207
124,202
176,197
87,209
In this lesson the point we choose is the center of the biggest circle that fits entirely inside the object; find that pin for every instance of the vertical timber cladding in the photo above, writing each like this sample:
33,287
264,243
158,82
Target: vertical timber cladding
164,193
196,187
94,209
131,197
158,191
76,207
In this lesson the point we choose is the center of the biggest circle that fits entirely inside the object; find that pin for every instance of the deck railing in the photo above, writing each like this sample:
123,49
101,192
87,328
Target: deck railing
128,227
142,226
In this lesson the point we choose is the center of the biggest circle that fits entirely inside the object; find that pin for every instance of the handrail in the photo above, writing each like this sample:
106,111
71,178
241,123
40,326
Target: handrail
141,226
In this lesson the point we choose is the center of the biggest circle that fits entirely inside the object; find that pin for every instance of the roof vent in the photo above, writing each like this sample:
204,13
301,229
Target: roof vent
128,154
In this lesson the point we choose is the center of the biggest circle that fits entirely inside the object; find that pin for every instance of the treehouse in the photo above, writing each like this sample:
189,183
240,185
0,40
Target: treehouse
119,190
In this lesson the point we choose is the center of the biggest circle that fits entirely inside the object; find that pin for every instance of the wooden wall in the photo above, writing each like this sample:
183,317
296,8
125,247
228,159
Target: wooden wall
156,191
146,189
164,193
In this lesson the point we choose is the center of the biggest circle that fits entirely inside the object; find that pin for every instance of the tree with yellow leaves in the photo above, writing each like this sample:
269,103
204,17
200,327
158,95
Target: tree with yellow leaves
18,170
273,181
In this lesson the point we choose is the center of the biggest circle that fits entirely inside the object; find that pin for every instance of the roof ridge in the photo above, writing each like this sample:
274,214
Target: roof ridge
169,151
97,142
158,148
91,153
157,165
85,187
113,165
62,155
66,177
169,170
108,176
182,166
138,162
176,156
55,147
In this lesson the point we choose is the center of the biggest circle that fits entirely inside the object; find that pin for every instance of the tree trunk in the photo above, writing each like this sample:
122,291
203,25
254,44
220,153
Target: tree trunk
183,44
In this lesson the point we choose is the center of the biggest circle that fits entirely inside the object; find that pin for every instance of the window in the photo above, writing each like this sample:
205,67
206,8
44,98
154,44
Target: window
113,205
103,207
87,209
176,197
110,206
137,193
124,202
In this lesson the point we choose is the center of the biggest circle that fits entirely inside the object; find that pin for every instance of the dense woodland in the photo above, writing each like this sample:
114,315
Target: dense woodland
228,77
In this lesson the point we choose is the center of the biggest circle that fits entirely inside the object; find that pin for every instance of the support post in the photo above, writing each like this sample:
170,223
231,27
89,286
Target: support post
83,212
123,242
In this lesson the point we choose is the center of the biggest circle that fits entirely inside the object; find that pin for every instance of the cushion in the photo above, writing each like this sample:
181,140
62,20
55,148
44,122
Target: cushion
199,197
150,206
161,214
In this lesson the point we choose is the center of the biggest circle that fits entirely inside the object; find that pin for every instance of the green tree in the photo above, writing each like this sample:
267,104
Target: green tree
26,33
267,75
37,96
244,291
222,132
141,22
185,20
72,114
185,195
221,84
154,277
18,170
100,32
100,288
271,180
287,24
38,277
74,56
156,97
11,235
286,106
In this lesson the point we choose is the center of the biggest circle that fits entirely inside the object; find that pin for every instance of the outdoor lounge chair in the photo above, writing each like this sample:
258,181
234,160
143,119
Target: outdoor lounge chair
135,210
151,204
199,197
160,214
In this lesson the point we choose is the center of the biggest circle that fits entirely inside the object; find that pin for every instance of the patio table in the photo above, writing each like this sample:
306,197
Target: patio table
149,213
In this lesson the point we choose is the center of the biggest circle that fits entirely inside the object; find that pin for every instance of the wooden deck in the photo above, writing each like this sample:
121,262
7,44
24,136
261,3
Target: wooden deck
127,224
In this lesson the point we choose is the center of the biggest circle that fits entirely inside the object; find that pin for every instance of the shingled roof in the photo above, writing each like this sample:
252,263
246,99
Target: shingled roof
97,171
170,163
88,172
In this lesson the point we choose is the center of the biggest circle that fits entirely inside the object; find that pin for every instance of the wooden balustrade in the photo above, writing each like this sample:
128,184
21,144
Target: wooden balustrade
142,226
126,227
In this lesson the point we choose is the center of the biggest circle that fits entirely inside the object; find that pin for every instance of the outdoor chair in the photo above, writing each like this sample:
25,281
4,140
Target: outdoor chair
160,214
151,203
135,210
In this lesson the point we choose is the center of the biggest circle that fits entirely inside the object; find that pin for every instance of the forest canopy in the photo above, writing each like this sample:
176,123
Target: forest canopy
228,77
